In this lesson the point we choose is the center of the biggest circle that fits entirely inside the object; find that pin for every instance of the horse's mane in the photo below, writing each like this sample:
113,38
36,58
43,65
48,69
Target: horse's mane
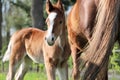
104,35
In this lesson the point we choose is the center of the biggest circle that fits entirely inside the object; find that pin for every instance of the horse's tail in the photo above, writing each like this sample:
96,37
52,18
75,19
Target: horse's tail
7,54
103,38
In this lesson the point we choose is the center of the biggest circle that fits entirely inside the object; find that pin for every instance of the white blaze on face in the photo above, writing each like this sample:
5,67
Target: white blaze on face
51,18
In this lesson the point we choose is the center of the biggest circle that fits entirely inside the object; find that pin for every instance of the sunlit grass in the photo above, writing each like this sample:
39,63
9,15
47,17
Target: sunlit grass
35,76
29,76
2,76
41,75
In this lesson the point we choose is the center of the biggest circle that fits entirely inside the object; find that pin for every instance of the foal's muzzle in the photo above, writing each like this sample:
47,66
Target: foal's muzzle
50,40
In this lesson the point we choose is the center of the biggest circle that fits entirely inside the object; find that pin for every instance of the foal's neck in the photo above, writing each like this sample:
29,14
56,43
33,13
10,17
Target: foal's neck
63,37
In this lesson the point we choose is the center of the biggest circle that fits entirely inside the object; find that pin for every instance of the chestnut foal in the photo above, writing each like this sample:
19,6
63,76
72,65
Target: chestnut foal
50,47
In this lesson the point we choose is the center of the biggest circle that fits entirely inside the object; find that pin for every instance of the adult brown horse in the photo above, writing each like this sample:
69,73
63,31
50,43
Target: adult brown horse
50,47
106,33
80,23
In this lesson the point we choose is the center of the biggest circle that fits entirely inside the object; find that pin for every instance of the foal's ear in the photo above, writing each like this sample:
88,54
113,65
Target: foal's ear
59,5
49,6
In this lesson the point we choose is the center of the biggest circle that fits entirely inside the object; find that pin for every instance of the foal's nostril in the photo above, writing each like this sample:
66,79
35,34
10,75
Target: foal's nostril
52,38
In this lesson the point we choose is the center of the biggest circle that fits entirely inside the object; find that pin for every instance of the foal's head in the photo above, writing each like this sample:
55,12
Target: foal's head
55,21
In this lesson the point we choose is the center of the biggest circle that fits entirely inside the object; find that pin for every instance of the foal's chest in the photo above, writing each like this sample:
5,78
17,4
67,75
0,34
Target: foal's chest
55,55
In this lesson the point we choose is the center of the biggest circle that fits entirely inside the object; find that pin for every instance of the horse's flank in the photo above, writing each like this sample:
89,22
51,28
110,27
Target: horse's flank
80,24
104,37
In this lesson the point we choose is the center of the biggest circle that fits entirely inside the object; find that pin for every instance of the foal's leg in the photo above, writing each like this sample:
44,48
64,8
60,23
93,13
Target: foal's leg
50,69
13,64
23,68
12,70
76,63
63,72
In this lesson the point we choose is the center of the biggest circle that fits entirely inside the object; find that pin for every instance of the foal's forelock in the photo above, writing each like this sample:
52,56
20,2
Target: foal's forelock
50,37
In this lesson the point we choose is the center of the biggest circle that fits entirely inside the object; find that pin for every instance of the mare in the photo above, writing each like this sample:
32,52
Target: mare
50,47
106,33
80,23
84,17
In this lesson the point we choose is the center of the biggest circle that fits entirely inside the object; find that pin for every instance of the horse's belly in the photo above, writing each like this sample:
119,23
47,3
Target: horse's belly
79,40
37,58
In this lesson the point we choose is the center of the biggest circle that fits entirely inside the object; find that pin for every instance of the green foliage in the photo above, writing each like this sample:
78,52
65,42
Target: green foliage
17,15
115,59
66,3
19,18
22,5
70,64
4,48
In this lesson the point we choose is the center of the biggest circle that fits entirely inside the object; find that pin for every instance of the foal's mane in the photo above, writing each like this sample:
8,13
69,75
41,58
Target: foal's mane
103,38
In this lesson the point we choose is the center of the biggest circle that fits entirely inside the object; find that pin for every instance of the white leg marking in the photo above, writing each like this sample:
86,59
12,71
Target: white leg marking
21,71
7,53
23,68
62,73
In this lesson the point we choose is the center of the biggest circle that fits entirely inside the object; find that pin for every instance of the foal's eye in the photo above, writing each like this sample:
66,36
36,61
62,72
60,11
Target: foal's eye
60,22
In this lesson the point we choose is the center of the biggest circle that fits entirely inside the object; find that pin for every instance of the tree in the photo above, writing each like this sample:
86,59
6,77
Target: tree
0,26
16,15
37,14
38,20
115,58
66,3
20,11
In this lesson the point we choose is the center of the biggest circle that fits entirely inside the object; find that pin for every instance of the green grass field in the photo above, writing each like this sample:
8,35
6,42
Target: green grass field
29,76
33,75
2,76
41,75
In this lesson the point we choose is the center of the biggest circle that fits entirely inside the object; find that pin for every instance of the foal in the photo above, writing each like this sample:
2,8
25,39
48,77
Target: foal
50,47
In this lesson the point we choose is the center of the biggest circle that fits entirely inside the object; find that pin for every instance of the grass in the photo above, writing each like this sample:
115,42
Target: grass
41,75
29,76
35,76
2,76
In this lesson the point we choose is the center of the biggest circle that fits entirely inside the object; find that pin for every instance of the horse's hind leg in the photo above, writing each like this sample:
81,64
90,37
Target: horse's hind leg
23,68
14,62
63,72
76,63
12,70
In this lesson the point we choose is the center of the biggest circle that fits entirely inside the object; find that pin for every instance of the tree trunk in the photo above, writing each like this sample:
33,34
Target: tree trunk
1,34
0,27
37,14
8,36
